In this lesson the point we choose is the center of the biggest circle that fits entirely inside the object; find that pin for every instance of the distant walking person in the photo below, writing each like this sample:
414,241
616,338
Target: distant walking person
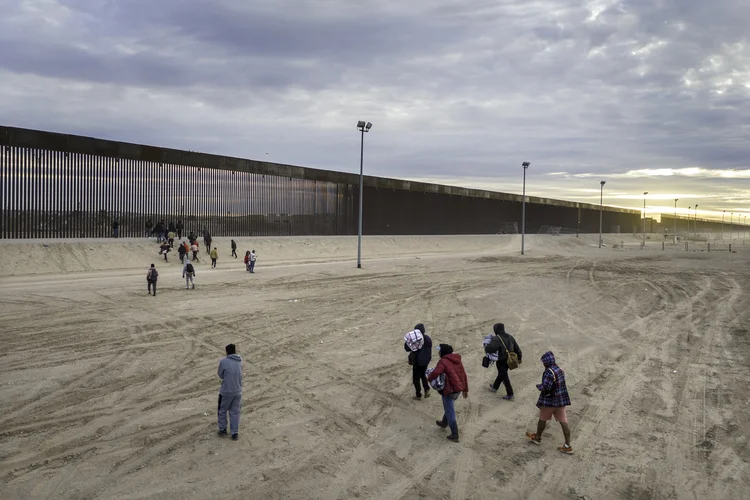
501,344
164,250
419,347
214,255
234,249
253,258
151,276
230,393
455,383
182,251
180,227
170,238
188,272
149,228
247,261
115,228
553,399
207,240
194,249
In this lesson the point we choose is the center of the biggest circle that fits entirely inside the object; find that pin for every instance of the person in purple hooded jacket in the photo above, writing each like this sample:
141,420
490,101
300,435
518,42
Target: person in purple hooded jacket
553,399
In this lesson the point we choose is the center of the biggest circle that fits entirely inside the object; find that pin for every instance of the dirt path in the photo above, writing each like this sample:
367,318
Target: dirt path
110,393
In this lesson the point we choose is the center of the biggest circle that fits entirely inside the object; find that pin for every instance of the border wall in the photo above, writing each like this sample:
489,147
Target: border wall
66,186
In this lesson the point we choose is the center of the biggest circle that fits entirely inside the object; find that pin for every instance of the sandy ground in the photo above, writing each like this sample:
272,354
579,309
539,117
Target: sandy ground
110,393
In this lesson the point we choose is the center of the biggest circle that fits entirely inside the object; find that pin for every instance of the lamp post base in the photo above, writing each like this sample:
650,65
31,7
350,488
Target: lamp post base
359,266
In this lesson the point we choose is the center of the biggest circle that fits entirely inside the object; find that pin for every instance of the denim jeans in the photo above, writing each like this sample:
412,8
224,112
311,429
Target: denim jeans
450,411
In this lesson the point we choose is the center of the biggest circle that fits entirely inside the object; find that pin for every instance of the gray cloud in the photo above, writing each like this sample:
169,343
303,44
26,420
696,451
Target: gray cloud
458,92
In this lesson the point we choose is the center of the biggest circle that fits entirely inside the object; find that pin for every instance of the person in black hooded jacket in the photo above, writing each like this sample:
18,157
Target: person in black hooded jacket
422,359
501,343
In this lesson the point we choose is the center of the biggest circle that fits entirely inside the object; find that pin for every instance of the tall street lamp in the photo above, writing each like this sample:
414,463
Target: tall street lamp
525,165
696,222
644,219
601,200
730,226
674,236
362,127
722,223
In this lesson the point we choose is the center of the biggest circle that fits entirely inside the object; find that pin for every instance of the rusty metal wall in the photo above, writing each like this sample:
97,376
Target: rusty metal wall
62,186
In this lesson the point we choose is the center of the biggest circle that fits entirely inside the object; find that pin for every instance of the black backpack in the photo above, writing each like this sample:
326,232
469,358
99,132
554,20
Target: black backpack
189,268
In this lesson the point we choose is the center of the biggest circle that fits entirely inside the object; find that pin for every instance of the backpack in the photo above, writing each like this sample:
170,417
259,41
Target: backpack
151,274
189,268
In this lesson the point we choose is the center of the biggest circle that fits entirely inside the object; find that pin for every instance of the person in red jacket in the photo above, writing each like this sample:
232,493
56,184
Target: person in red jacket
455,383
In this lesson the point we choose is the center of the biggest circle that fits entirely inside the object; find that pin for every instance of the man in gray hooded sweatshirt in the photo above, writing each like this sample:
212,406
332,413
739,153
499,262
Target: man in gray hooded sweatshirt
230,394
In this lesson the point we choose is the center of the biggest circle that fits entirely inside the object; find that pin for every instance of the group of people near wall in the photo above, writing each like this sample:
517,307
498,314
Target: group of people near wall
501,349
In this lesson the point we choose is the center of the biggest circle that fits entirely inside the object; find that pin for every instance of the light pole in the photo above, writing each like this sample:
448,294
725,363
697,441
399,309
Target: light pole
525,165
687,235
601,201
674,236
696,223
362,127
644,219
730,226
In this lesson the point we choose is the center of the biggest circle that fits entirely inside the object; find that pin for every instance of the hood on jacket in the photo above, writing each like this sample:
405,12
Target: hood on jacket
499,328
453,358
548,359
445,349
235,357
419,327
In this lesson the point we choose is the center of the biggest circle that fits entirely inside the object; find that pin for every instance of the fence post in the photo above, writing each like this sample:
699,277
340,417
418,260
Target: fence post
709,246
686,246
662,246
730,248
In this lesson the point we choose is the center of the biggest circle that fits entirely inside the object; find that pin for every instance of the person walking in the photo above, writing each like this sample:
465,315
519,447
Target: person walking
253,258
455,383
180,227
170,238
553,398
214,255
419,347
194,249
234,249
501,344
230,393
182,251
247,261
164,249
151,276
149,228
115,228
188,272
207,239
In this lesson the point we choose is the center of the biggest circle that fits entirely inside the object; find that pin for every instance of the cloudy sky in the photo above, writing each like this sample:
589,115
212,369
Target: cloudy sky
647,95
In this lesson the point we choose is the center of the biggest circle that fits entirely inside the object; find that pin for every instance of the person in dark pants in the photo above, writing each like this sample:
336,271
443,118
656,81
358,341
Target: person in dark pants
182,251
500,344
419,347
115,228
151,276
230,394
180,227
456,383
149,228
253,258
164,250
234,249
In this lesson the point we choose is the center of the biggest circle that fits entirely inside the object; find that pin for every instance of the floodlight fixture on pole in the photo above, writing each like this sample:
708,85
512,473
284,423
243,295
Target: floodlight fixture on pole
674,236
695,227
601,204
362,127
525,165
643,229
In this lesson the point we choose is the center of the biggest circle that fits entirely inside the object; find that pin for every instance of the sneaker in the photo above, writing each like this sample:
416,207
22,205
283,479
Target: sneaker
235,437
222,433
492,388
453,438
567,449
532,438
442,424
509,398
418,398
426,394
193,286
